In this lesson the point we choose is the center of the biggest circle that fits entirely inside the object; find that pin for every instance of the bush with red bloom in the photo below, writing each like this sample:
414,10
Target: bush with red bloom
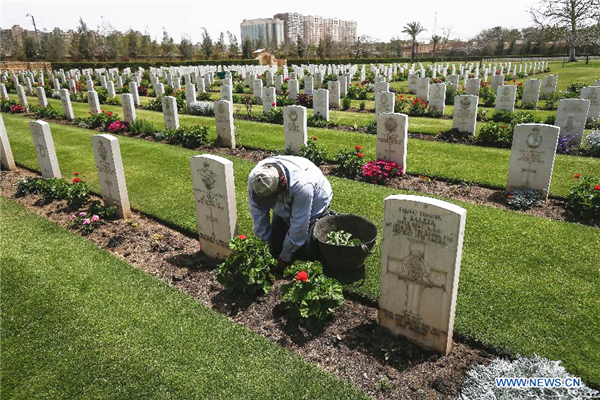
304,100
273,104
242,237
357,147
118,127
350,162
302,276
584,198
17,109
143,90
380,171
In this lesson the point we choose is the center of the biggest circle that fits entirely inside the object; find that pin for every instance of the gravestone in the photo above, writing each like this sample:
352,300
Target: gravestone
6,156
119,82
216,212
65,99
384,102
437,97
592,93
571,118
44,147
93,102
226,93
133,89
41,96
505,98
224,123
321,103
472,86
278,83
159,89
294,127
392,135
420,266
382,87
257,87
128,107
334,94
465,113
111,175
423,88
453,80
110,88
412,83
201,86
343,81
531,92
3,91
497,80
309,84
549,85
190,93
22,96
293,89
171,115
532,157
269,99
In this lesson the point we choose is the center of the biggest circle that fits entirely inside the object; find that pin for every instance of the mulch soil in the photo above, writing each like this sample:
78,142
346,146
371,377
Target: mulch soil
351,346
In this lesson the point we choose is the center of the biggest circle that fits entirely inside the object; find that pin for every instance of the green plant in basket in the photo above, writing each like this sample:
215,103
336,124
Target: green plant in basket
248,267
342,238
311,295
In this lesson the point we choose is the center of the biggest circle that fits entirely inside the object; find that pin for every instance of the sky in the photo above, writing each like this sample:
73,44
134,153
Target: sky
379,19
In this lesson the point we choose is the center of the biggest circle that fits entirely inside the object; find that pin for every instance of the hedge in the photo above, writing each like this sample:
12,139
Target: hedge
147,64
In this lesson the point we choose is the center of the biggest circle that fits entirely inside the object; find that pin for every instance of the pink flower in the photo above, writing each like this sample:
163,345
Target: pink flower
82,214
87,221
95,218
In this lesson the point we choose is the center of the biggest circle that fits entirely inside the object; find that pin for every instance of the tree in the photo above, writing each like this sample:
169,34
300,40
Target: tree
233,45
247,49
206,44
54,46
133,44
31,48
360,46
413,29
301,47
167,45
186,47
484,40
573,15
435,41
446,33
220,47
82,44
145,45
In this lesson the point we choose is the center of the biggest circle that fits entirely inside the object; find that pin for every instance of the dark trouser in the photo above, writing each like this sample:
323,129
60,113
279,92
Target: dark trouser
310,249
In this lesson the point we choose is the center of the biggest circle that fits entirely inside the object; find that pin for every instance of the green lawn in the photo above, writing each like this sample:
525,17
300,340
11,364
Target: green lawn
483,165
527,284
77,322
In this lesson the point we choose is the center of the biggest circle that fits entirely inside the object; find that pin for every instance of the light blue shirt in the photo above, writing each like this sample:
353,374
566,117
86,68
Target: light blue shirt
308,194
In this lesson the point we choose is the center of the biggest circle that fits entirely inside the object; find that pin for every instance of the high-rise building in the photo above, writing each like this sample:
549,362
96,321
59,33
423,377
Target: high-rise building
293,26
266,31
312,28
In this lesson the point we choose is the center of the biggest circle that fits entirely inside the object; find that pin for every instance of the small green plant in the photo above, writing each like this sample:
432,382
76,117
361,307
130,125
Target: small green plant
248,267
189,137
44,112
454,136
372,128
592,143
346,101
361,106
350,162
342,238
551,100
204,96
384,384
496,133
584,198
75,193
313,152
311,295
142,127
317,121
524,199
487,95
503,116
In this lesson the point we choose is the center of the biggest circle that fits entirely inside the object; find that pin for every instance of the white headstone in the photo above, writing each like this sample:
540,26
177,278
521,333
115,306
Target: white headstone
571,118
549,85
159,89
505,98
334,93
128,107
384,102
257,87
392,135
110,88
6,156
65,99
531,92
44,147
437,97
497,80
216,212
592,93
22,96
412,82
423,88
41,96
190,93
293,89
465,113
472,86
532,157
224,123
171,115
269,99
93,102
3,91
133,89
420,266
294,127
308,84
111,175
321,103
382,87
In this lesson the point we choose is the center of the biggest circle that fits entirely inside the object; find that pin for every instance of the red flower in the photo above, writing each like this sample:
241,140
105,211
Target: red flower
76,180
577,176
109,113
314,138
360,155
273,104
503,126
242,237
597,187
510,196
357,147
103,111
75,173
302,276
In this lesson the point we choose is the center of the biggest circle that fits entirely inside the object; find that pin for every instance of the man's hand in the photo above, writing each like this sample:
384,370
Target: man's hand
282,264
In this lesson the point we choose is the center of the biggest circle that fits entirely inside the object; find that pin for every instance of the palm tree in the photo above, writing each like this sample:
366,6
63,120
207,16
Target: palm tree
435,40
413,29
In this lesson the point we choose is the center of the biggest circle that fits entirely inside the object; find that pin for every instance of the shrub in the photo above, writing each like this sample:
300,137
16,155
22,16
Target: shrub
417,108
482,115
552,100
6,104
372,128
189,137
142,127
156,104
313,152
118,127
361,106
87,221
204,96
113,101
274,116
573,90
102,95
44,112
247,269
550,119
357,92
346,101
529,105
17,109
487,95
101,120
350,162
503,116
311,295
317,121
142,90
592,143
584,198
566,144
203,108
380,171
284,101
305,100
525,117
451,93
454,136
75,193
239,88
524,199
496,133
